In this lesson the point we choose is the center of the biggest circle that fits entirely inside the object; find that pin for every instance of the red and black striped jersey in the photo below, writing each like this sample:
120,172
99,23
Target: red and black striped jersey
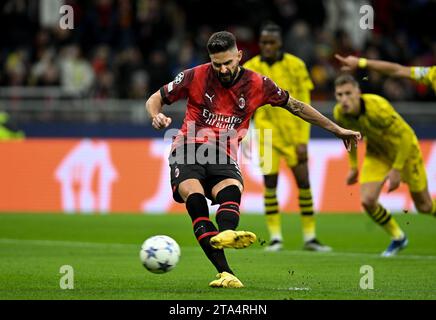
216,111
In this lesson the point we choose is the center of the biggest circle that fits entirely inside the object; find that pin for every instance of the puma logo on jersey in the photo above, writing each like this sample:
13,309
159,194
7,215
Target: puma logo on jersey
208,96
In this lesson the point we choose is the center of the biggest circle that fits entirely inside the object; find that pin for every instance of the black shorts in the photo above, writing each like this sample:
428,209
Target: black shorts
184,165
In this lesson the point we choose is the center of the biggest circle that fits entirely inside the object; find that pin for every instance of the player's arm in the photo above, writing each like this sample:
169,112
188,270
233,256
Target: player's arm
154,106
389,68
310,114
169,93
353,174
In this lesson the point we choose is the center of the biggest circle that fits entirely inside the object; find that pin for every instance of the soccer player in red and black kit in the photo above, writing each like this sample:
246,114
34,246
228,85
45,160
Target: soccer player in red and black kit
221,98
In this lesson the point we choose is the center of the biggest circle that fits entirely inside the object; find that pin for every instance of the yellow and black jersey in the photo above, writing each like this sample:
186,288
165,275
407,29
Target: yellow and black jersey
387,134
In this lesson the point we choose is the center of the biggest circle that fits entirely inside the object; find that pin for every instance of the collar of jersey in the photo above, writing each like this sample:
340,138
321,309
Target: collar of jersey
281,56
362,109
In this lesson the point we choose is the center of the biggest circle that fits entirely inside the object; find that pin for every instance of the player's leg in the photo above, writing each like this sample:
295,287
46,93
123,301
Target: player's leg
272,215
372,178
305,201
269,143
269,165
187,188
227,193
423,202
415,176
370,193
192,193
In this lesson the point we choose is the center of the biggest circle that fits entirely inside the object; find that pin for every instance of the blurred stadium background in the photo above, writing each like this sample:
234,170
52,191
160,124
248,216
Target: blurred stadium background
74,93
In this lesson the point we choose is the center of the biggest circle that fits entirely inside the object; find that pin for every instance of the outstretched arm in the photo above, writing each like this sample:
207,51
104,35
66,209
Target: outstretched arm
310,114
389,68
153,106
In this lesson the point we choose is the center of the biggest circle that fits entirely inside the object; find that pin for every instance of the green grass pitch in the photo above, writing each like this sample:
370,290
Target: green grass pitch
103,250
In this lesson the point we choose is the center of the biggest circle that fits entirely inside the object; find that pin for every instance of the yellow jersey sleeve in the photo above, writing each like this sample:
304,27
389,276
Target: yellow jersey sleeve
426,75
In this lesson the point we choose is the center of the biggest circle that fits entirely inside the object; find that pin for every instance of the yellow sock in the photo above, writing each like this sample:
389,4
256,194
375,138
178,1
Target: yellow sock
394,229
273,222
307,216
383,218
308,223
273,218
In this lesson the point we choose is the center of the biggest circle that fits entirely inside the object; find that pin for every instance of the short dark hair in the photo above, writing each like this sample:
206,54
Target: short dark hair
344,79
270,26
220,42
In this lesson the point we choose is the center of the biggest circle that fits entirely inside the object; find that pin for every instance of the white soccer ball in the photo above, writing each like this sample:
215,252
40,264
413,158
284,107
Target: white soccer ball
159,254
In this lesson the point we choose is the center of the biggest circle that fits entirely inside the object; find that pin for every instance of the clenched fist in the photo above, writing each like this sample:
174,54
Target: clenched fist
160,121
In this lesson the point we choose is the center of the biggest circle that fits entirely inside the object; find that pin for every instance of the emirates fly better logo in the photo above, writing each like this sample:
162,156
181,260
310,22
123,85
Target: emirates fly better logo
221,121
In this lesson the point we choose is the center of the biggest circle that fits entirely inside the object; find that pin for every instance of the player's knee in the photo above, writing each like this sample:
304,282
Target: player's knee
424,207
196,205
230,193
369,203
302,154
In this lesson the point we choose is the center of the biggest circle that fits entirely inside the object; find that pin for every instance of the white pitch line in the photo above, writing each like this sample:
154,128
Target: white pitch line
78,244
358,254
61,243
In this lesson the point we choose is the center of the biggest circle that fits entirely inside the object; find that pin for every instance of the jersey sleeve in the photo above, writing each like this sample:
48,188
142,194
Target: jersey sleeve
426,75
272,94
178,88
420,74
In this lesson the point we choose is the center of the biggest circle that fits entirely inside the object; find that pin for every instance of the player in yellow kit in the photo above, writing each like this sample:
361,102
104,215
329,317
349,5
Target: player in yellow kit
426,75
392,154
289,137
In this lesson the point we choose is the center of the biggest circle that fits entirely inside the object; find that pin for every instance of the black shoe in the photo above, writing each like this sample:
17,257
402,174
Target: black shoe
274,245
315,245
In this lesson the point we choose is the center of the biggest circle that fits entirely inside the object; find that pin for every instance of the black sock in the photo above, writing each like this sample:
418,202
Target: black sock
204,229
227,215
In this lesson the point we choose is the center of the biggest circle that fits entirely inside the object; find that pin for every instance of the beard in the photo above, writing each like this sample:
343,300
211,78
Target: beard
228,77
